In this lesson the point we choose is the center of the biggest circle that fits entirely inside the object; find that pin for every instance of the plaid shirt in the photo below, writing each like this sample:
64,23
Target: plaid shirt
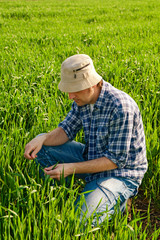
114,130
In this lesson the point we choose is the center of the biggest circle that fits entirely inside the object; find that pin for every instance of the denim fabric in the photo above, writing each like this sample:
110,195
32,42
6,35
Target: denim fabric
104,193
69,152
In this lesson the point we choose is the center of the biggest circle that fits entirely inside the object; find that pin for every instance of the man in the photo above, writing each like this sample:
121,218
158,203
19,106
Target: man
113,158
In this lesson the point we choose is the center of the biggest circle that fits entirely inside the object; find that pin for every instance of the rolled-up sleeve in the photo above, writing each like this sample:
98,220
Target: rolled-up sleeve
119,138
72,123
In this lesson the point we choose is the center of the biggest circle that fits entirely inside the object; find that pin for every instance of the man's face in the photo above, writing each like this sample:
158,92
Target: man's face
83,97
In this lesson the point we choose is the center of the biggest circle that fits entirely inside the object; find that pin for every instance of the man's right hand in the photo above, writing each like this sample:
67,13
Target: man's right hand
33,147
53,138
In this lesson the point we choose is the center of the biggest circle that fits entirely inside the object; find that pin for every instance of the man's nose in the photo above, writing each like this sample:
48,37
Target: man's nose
71,95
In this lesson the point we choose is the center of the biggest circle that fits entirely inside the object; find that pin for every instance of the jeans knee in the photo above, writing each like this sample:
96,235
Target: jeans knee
41,152
40,134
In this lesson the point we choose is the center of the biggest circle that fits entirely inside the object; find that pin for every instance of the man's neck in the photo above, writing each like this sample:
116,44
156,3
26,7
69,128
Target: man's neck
97,90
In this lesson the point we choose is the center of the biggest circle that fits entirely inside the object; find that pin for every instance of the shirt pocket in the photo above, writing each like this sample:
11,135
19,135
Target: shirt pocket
102,139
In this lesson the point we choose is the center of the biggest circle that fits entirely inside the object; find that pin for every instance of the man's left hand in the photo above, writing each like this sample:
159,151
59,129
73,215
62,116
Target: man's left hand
56,172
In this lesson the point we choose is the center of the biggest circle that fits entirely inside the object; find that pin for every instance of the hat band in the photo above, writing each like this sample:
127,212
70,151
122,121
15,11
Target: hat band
76,70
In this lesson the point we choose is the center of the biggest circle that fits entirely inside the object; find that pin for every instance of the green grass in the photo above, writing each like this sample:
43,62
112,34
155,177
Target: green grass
123,39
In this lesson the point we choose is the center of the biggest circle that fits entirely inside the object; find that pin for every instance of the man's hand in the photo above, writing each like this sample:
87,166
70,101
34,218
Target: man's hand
33,147
64,169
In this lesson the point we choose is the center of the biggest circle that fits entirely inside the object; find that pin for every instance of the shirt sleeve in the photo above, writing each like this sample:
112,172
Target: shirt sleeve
119,138
72,123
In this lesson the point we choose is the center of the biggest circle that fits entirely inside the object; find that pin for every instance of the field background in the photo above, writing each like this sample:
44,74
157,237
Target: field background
123,39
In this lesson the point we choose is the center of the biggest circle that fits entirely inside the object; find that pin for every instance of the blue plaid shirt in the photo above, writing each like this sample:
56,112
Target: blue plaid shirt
114,130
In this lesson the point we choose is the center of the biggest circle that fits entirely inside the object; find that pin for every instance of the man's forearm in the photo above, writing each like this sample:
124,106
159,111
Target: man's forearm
55,137
93,166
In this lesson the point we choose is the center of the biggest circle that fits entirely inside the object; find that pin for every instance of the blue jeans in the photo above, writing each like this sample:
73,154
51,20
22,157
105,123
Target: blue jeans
104,193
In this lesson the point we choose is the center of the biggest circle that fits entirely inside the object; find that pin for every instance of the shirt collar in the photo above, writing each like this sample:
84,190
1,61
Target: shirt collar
100,101
99,104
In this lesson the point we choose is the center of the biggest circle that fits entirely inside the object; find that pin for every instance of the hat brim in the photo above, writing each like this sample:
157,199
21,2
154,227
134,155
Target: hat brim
80,85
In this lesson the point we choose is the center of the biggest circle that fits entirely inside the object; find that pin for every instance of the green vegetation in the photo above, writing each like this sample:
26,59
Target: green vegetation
123,39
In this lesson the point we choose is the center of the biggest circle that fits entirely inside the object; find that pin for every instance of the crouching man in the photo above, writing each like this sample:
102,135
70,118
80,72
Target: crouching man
113,158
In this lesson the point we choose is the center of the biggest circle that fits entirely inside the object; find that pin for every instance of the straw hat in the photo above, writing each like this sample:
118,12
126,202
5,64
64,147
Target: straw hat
78,73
